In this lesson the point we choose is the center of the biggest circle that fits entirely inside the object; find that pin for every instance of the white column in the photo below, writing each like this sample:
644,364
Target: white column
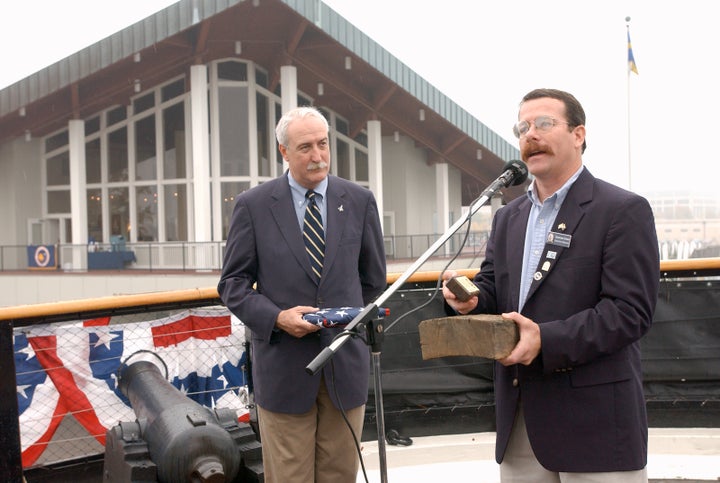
374,131
78,194
288,87
200,153
442,188
288,92
442,191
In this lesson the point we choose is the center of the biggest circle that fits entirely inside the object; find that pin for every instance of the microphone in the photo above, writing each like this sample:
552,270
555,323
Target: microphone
515,172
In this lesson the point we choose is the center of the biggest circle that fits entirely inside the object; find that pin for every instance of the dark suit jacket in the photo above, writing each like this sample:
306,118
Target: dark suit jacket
582,397
265,246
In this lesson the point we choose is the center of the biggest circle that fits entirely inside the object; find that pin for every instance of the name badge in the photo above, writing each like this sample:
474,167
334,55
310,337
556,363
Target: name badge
559,239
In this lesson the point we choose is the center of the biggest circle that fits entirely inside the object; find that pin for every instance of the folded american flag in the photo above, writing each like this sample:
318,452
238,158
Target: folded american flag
334,317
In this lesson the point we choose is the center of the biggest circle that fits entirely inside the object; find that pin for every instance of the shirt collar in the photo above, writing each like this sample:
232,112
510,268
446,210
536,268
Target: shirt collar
559,196
299,192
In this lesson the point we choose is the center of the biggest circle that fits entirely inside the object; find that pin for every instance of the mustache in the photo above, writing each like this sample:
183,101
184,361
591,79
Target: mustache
532,148
317,166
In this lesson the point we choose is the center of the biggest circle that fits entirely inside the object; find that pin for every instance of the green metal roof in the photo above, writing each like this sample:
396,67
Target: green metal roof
186,13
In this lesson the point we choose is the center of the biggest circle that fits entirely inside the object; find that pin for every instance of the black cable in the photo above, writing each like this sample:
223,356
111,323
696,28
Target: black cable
347,422
439,281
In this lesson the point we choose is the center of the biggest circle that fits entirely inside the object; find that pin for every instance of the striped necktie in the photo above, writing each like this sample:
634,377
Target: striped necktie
313,234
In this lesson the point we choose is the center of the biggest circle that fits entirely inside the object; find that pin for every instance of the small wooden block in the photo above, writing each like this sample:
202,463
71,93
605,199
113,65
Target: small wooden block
482,335
462,288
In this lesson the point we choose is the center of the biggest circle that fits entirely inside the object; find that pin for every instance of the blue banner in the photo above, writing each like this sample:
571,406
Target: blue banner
41,257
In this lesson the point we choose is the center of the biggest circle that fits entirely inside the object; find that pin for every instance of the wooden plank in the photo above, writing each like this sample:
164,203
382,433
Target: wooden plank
481,335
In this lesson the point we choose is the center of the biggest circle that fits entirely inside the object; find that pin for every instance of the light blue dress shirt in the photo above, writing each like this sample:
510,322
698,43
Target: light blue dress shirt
300,202
542,217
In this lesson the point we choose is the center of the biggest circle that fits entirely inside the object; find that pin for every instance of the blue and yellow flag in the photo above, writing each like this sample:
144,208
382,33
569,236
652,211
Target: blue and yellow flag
632,67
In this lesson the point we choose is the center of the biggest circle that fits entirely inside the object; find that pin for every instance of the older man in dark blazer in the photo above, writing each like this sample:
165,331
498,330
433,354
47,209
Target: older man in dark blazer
575,264
269,281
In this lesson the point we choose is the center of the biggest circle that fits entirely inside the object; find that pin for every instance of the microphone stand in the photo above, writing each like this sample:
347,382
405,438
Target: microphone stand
375,329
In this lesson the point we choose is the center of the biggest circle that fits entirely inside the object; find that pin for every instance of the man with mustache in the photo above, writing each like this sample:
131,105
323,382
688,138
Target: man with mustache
575,265
270,279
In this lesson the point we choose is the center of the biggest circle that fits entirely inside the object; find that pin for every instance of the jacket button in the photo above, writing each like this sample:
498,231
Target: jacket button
515,382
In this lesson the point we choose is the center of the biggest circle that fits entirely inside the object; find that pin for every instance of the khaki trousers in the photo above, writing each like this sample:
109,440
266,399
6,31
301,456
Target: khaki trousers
520,465
315,447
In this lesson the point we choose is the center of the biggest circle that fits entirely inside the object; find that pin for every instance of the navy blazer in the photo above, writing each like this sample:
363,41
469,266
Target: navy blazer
265,247
582,397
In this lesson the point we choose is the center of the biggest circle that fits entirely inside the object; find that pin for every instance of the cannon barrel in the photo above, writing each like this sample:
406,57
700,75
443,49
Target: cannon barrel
187,441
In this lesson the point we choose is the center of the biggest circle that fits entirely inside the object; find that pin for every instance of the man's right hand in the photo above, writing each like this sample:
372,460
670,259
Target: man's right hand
291,321
458,306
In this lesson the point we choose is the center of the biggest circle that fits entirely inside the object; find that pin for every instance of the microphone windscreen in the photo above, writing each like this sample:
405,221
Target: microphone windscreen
519,169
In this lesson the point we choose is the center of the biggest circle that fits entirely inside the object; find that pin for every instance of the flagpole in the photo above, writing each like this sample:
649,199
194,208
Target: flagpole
629,71
631,67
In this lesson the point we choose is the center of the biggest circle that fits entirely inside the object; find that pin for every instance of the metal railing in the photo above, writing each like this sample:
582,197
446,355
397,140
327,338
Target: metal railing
197,256
208,256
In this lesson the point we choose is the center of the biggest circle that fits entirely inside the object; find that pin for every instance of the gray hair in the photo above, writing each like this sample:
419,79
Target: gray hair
292,115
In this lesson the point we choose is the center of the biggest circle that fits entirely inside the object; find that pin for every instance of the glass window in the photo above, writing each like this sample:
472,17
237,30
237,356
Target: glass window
93,160
58,169
57,141
325,113
58,202
147,207
263,136
229,191
145,149
279,161
303,101
342,160
117,156
173,90
92,125
119,212
361,138
116,115
342,126
94,210
361,166
176,212
234,152
231,70
68,230
261,77
144,103
174,141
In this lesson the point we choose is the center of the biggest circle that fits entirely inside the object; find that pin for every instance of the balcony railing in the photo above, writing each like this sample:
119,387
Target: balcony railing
208,256
196,256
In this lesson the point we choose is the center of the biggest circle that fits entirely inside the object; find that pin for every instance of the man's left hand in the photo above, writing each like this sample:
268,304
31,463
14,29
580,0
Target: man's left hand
528,347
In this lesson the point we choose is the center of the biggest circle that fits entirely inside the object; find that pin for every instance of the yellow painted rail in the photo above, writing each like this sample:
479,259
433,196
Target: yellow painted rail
697,266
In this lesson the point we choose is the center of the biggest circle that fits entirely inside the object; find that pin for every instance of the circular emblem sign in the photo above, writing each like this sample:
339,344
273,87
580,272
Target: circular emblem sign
42,256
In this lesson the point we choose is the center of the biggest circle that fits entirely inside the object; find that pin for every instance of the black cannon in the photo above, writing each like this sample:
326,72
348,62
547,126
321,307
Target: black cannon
174,439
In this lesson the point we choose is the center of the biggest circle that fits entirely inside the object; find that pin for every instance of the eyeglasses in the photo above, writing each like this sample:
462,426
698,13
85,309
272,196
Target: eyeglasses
541,123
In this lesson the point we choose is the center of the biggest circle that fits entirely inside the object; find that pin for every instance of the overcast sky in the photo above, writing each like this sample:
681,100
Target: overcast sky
485,55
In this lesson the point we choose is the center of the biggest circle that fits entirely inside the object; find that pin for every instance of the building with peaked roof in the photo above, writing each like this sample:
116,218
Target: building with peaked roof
147,135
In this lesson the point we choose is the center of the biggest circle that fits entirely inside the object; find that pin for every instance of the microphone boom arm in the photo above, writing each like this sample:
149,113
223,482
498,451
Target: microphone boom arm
509,176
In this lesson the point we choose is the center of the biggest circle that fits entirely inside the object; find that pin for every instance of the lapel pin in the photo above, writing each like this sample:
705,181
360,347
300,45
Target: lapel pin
561,227
340,208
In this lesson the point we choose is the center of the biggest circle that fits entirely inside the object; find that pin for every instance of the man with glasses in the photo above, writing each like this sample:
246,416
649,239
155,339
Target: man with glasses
575,265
